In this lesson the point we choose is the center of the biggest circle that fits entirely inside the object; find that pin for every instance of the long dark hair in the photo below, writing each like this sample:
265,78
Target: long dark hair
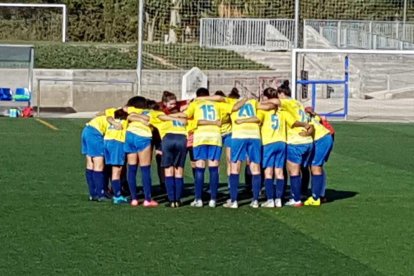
168,96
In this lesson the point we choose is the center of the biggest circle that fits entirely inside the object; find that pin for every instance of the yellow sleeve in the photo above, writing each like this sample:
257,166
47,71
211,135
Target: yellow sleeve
132,109
260,115
226,108
110,112
190,110
153,116
290,120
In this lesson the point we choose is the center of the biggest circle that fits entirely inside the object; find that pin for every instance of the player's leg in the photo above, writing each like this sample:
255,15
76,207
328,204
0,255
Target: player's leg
227,149
132,165
200,155
306,175
279,165
170,185
238,155
268,157
99,176
254,154
132,161
213,166
234,180
296,154
117,161
322,149
145,158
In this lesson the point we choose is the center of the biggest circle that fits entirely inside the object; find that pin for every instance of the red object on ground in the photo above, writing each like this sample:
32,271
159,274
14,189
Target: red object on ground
27,112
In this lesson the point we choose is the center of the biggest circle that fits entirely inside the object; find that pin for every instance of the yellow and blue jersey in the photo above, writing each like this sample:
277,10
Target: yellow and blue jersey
114,134
295,108
320,130
247,130
100,123
273,128
166,127
225,110
205,110
297,112
139,128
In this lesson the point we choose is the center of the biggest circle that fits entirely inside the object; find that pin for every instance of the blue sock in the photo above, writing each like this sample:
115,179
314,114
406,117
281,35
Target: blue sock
132,180
179,184
324,184
90,182
214,181
269,188
317,184
99,180
234,186
280,188
296,187
199,182
169,182
146,181
116,186
257,185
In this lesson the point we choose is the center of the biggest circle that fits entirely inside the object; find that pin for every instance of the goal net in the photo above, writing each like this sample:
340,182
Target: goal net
356,83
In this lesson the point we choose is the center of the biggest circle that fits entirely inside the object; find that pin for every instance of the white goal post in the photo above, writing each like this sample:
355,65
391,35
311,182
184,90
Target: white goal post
60,6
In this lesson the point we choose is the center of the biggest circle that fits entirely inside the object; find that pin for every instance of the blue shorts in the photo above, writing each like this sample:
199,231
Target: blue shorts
226,139
92,142
322,149
299,154
135,143
114,153
207,152
243,149
174,150
274,155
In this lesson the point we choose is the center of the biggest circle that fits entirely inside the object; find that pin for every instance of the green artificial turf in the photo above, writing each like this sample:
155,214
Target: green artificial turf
47,226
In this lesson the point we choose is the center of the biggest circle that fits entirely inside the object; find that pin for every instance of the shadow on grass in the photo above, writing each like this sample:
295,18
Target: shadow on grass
334,195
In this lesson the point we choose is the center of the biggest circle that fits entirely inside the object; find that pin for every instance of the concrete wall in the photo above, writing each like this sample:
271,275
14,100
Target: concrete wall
92,90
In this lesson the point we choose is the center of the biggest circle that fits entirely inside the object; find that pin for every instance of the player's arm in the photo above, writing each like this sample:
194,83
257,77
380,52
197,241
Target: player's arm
209,123
266,106
272,101
171,118
179,115
253,120
239,104
308,132
133,117
214,98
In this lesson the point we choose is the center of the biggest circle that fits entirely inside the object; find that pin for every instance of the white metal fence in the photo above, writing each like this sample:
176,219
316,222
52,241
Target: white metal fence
387,35
247,33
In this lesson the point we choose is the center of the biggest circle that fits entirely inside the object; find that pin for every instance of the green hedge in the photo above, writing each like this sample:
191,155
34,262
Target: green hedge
155,56
116,20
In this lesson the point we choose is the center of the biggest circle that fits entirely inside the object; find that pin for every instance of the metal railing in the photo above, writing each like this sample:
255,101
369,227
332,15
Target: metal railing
247,33
346,34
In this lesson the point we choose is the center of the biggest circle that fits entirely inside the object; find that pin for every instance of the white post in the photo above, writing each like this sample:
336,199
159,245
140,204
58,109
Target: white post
140,45
338,35
404,19
305,44
388,83
64,24
294,72
297,9
31,66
